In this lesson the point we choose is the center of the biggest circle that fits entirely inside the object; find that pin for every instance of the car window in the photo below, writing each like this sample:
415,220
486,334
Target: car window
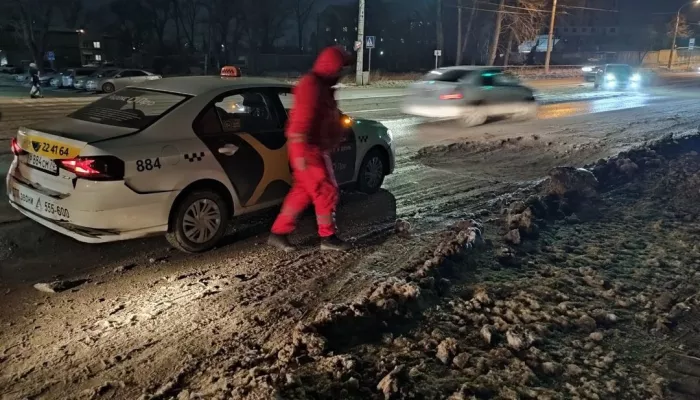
138,73
129,108
126,74
447,75
287,100
619,69
505,79
495,78
246,112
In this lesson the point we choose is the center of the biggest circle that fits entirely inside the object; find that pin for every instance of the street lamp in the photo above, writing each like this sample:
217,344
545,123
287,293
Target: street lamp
80,47
675,30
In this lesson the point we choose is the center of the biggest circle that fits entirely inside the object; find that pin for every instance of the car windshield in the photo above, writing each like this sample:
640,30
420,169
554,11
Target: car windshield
622,70
448,75
104,74
84,72
129,108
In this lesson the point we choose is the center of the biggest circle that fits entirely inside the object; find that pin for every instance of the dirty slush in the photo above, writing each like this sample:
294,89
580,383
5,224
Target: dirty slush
583,287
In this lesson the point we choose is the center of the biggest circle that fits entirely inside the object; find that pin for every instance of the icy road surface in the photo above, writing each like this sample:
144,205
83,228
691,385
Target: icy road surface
147,316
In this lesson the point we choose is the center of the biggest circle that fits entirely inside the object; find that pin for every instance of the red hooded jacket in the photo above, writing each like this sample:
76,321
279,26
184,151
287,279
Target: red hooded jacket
315,113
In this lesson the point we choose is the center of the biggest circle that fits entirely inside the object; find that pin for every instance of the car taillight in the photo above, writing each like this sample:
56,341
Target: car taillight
16,149
451,96
98,168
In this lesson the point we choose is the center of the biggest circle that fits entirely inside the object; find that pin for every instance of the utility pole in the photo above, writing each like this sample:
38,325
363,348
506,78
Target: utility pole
550,39
673,44
458,59
360,38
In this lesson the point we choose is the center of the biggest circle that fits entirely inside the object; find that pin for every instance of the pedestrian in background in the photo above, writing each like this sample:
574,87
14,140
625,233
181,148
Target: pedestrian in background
35,91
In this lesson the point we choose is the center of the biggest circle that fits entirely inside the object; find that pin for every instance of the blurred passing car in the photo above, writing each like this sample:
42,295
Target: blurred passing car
46,75
471,95
118,79
176,156
617,77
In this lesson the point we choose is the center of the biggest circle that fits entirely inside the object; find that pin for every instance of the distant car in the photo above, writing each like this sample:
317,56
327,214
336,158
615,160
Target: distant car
8,69
617,77
589,72
176,156
471,95
46,75
76,74
118,79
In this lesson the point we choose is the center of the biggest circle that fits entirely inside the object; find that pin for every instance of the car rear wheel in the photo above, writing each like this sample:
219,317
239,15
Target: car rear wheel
474,117
198,221
108,87
371,176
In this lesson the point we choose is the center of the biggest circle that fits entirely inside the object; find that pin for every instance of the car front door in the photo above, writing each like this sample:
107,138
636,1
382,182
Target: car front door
243,131
344,157
138,76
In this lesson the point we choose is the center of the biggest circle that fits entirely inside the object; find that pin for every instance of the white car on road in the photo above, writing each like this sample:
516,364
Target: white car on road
116,79
471,95
176,156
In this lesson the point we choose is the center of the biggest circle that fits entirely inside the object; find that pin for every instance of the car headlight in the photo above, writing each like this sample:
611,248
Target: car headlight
636,78
609,77
587,69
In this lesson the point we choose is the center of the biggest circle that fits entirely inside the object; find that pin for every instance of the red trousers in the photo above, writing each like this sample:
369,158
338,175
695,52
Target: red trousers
315,183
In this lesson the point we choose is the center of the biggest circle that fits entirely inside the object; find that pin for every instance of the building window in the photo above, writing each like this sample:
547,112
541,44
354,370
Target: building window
96,45
98,57
612,30
345,29
573,30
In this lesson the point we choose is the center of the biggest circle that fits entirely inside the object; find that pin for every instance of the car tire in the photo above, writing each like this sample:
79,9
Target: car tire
372,172
528,113
474,117
108,87
192,209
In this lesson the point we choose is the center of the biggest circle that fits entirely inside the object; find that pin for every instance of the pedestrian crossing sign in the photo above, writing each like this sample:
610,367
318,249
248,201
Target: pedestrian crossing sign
369,42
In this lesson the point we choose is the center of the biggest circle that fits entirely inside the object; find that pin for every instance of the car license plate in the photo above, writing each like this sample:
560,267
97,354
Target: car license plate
38,205
42,163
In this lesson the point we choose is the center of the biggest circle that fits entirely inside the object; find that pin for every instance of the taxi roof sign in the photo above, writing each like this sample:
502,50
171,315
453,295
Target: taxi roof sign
231,71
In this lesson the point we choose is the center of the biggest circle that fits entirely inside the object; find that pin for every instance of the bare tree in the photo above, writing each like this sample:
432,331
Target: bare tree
525,23
440,35
73,13
468,30
158,12
493,50
31,20
684,30
186,14
302,10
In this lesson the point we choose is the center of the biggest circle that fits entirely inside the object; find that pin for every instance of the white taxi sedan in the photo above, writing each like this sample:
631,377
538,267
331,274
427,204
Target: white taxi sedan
175,156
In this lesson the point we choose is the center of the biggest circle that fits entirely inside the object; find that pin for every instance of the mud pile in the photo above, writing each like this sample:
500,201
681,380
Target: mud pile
575,292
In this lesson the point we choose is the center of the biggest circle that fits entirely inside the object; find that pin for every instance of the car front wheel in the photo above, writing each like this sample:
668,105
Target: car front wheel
371,176
198,221
108,88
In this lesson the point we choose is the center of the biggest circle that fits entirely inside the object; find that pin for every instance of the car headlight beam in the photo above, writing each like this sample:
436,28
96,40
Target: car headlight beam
636,78
609,77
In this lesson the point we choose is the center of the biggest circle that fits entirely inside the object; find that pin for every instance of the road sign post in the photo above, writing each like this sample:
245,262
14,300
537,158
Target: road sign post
438,54
370,41
359,66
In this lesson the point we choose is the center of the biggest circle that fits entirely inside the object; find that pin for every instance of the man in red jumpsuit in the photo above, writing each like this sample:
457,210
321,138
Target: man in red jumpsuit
313,130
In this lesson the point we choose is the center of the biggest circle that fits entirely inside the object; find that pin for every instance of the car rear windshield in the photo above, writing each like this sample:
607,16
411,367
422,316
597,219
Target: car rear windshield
450,75
130,108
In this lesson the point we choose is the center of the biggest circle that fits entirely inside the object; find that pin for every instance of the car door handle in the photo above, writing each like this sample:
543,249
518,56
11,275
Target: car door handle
228,149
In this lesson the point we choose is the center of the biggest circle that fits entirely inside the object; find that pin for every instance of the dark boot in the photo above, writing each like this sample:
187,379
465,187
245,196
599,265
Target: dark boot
334,243
281,242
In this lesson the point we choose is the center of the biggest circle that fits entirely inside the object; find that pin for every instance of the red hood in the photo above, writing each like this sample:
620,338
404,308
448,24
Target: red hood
330,62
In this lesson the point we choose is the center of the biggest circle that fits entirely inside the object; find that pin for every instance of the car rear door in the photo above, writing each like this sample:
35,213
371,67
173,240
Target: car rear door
244,132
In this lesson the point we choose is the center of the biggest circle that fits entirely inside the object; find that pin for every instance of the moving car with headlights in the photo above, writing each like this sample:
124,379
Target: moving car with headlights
470,94
589,72
617,77
117,79
175,156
